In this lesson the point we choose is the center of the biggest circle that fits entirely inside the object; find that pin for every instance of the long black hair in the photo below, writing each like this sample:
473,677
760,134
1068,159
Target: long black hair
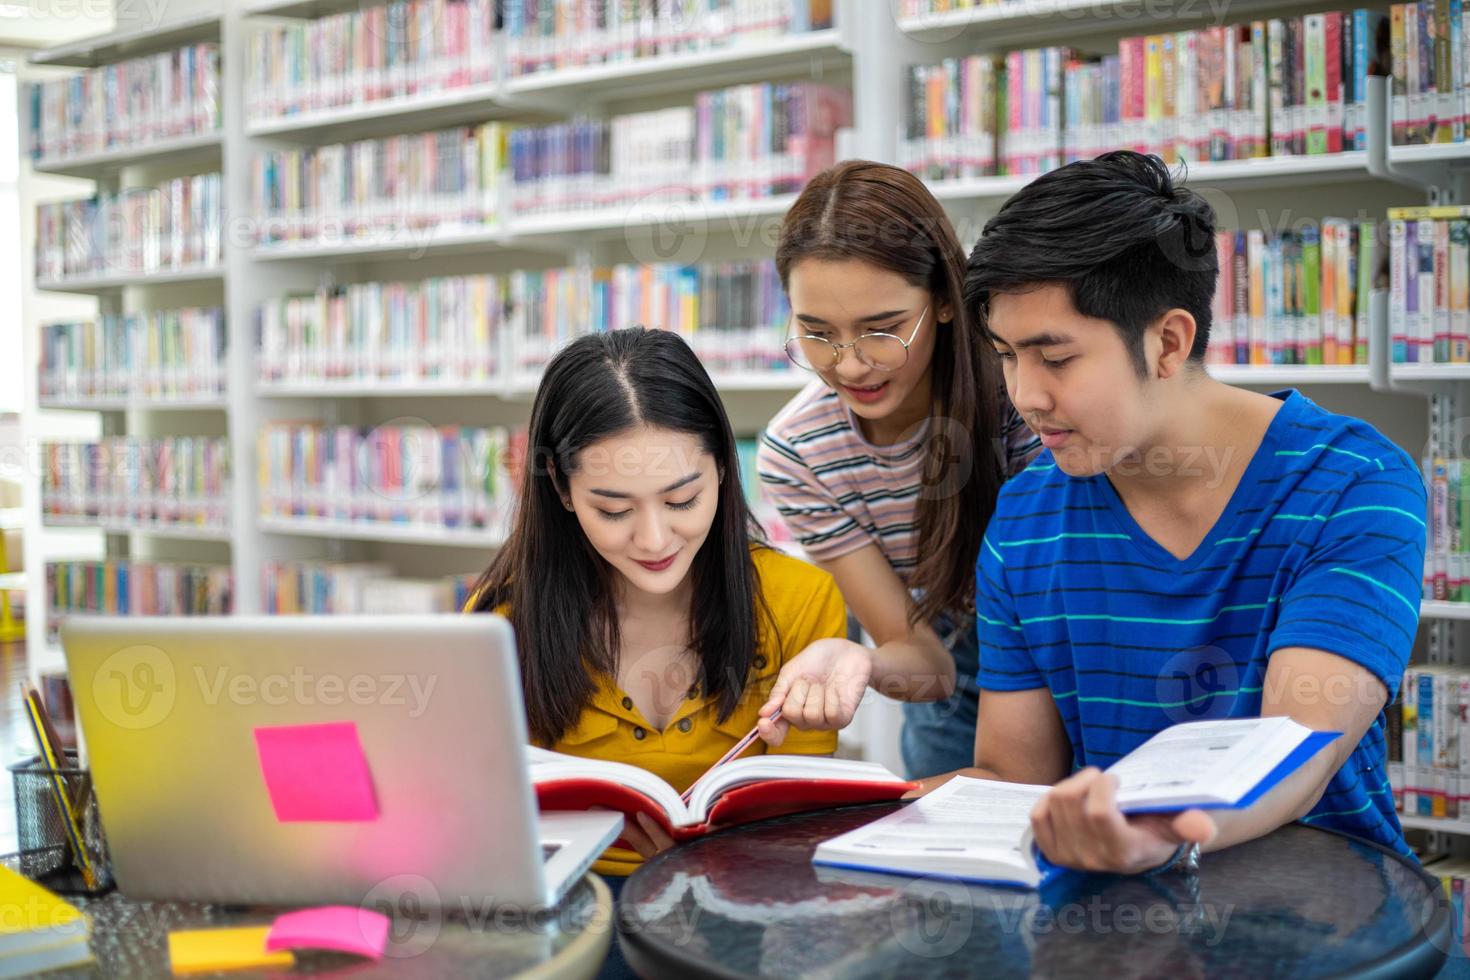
885,216
559,590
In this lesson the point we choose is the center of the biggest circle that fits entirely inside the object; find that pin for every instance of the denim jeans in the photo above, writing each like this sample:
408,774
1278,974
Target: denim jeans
939,736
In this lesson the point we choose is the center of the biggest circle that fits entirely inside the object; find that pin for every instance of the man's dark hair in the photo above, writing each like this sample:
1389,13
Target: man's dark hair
1126,242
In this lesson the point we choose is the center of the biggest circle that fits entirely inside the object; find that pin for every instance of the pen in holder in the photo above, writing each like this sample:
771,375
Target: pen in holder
46,853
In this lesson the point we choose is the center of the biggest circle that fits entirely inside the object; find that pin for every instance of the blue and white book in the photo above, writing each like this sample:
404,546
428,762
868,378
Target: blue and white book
980,829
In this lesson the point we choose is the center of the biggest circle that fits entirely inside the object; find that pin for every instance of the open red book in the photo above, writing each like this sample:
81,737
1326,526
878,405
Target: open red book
738,792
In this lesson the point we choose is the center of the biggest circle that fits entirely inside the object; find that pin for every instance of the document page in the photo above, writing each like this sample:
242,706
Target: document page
963,815
1201,761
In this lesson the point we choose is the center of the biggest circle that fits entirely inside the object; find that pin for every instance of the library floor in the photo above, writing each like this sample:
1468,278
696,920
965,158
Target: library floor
15,740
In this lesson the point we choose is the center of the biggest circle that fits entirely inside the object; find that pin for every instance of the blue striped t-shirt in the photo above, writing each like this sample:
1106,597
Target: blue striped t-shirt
1321,546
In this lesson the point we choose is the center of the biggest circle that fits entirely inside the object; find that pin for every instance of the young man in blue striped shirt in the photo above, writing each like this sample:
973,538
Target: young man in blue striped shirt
1182,549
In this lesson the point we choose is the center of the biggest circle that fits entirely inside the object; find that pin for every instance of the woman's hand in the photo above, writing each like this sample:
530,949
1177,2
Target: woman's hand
818,689
647,838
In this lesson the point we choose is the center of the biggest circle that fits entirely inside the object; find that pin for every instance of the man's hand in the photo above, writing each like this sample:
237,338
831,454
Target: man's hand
1078,825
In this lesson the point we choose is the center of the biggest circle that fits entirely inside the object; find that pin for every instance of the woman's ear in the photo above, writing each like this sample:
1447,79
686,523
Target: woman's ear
943,312
566,499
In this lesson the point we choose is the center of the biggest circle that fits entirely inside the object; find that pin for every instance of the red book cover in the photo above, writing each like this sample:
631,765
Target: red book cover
1332,23
741,804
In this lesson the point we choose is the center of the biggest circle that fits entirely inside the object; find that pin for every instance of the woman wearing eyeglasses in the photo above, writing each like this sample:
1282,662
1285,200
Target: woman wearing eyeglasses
886,468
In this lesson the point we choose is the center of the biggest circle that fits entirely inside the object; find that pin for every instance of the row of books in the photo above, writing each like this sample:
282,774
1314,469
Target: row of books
159,355
1429,284
733,314
1447,553
1298,296
443,179
174,226
169,480
447,329
404,475
1280,87
1428,746
749,141
1431,71
366,55
355,588
127,587
542,35
413,47
466,328
125,105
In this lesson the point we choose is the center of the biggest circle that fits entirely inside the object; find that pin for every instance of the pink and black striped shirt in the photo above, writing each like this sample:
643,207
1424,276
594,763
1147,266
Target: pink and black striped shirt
837,491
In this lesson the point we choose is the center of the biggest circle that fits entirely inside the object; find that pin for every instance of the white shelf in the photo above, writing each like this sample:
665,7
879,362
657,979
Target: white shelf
132,42
521,388
192,532
317,527
13,582
1435,609
383,388
1288,374
207,403
1431,153
1262,172
203,150
409,244
1429,372
757,381
417,112
694,216
1006,23
300,8
107,284
807,53
1414,822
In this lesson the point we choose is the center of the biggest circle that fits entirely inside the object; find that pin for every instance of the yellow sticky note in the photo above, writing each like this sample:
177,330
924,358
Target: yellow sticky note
206,950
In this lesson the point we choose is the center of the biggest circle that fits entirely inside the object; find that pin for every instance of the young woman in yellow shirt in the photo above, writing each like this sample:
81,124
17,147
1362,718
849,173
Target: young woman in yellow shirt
650,617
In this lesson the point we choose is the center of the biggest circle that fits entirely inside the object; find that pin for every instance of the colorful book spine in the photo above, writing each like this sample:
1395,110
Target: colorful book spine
157,356
371,54
168,481
174,226
443,330
1291,297
450,477
399,186
126,587
130,104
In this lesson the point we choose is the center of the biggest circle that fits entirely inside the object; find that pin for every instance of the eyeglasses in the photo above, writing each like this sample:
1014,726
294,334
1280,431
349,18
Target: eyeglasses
881,351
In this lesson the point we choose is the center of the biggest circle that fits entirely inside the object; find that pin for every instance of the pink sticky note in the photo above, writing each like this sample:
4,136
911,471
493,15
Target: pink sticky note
316,772
343,928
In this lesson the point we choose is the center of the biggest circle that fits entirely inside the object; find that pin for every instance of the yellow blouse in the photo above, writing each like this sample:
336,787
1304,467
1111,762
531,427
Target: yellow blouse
805,606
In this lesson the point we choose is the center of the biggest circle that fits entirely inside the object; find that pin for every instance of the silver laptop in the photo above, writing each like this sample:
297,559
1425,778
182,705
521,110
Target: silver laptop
169,710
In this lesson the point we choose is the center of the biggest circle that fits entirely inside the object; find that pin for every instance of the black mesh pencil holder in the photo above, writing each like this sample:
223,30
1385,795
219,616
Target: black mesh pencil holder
44,854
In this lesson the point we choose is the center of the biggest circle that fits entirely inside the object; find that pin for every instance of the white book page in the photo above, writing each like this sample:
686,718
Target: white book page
762,767
966,819
547,766
1204,761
